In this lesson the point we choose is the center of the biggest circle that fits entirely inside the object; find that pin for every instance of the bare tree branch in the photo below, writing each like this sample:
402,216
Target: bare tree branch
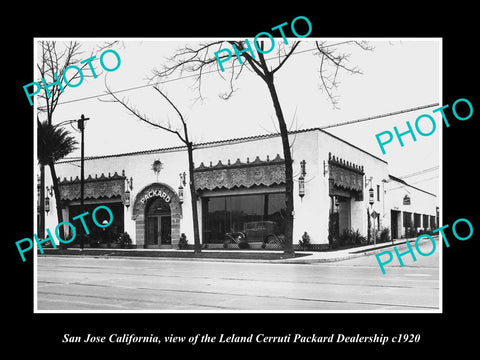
339,61
199,61
110,44
292,49
227,95
189,59
53,62
185,139
254,64
327,87
135,112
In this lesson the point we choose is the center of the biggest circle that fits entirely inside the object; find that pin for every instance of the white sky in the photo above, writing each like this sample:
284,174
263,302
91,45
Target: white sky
398,74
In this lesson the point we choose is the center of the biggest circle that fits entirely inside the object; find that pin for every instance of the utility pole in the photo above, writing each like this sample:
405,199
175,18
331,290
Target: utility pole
81,127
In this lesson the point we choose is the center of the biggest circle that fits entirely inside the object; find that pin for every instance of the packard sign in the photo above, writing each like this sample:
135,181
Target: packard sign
155,193
406,200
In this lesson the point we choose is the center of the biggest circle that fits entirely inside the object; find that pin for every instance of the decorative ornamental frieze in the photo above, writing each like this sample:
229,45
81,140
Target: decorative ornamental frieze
228,176
94,187
345,175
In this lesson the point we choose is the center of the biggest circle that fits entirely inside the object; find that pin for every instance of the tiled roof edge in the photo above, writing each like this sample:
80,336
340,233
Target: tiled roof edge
215,142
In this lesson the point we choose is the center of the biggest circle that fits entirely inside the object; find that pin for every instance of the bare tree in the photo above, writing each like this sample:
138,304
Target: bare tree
184,137
201,59
54,59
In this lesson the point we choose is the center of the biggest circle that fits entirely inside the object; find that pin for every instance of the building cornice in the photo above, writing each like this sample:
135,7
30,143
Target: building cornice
213,144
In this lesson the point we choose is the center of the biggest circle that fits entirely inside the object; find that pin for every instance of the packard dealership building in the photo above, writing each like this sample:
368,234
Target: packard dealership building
240,185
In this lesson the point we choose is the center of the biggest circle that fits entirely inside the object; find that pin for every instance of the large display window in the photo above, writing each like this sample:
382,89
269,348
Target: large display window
98,235
257,217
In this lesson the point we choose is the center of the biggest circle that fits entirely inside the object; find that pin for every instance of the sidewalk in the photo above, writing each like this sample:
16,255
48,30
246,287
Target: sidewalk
344,254
269,256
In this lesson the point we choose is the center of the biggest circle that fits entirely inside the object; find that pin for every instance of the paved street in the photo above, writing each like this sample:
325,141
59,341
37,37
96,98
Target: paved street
94,283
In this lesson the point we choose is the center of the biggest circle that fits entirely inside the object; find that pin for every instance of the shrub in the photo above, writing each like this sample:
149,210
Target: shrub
351,237
411,232
343,237
304,242
123,240
333,242
332,232
357,238
373,236
424,231
384,235
183,242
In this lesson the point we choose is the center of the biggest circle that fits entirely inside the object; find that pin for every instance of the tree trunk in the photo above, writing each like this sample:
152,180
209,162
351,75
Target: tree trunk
58,202
288,246
193,197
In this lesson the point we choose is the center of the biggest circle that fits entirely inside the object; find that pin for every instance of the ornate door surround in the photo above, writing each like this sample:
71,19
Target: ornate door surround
170,197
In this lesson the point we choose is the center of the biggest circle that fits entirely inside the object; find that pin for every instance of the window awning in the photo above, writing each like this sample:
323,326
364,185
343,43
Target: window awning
94,187
239,174
346,176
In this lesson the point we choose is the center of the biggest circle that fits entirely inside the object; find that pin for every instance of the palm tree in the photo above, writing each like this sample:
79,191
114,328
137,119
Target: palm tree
54,143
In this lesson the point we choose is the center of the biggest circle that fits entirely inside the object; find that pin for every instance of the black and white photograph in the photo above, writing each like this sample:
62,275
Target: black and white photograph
242,182
245,181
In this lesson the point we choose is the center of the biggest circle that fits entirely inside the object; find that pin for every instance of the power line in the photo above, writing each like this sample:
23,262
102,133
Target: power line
380,116
272,58
419,172
430,178
416,182
187,76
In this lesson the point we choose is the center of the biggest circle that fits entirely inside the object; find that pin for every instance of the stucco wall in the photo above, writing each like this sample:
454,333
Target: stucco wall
373,167
421,202
137,166
311,211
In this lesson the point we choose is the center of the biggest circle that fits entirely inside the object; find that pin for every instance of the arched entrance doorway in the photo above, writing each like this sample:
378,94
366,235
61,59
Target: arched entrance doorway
157,213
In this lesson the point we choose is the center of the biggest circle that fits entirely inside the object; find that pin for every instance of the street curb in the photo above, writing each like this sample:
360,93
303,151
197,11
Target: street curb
301,260
350,255
310,258
118,255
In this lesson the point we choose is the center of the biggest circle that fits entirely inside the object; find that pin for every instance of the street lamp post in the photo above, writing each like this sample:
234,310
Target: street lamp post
301,179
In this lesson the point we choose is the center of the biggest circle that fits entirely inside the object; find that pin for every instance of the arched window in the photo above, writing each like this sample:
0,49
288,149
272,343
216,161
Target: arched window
157,206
